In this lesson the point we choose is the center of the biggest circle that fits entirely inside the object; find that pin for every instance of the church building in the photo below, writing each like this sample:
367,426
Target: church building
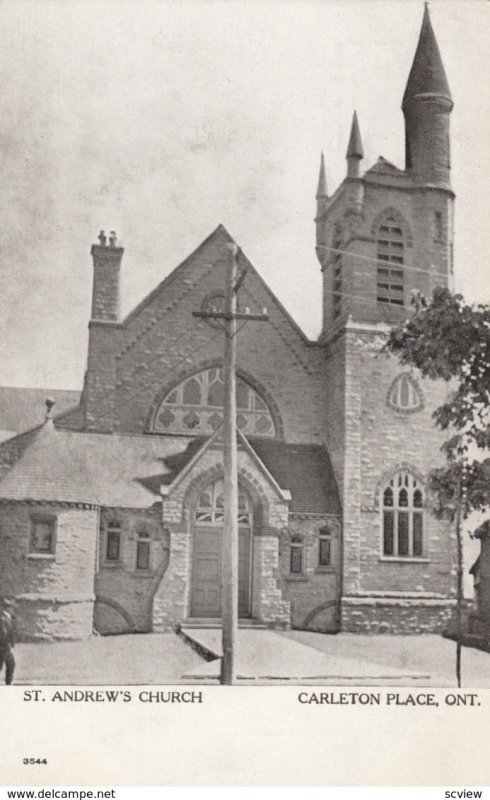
111,513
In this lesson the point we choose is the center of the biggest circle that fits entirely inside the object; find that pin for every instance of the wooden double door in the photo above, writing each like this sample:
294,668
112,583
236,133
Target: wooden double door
206,571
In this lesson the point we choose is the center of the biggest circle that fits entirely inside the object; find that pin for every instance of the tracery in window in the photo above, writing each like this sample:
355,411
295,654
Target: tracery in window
390,248
403,525
405,394
211,505
196,406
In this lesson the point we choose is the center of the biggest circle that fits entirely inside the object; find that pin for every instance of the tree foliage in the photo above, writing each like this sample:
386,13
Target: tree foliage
449,340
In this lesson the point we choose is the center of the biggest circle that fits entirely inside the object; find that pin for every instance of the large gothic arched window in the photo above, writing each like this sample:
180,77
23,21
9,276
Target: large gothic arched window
196,406
390,249
403,517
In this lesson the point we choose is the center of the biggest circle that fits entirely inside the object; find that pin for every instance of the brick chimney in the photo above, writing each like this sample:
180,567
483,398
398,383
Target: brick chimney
104,334
107,265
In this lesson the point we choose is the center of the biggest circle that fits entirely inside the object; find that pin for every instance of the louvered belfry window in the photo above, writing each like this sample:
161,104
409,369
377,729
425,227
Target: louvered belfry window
390,249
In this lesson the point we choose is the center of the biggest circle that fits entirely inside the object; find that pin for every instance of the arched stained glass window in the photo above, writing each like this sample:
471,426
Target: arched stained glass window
403,502
211,505
390,249
196,406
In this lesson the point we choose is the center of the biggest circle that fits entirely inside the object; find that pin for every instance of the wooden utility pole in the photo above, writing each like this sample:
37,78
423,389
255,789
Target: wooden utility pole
229,547
460,509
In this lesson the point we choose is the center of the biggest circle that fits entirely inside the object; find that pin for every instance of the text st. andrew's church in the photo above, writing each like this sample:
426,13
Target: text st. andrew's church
111,512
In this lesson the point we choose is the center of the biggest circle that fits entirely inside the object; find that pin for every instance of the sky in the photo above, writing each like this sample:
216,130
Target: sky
161,120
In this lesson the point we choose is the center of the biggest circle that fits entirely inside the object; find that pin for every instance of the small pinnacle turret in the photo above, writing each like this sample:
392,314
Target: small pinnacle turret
322,180
355,150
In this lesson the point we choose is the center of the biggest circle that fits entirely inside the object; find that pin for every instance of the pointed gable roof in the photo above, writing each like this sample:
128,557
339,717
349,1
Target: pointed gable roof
427,75
384,167
195,455
301,474
220,236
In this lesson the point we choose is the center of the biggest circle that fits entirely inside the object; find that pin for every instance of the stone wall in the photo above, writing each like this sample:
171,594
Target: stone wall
393,440
269,603
397,615
124,592
314,595
380,442
54,592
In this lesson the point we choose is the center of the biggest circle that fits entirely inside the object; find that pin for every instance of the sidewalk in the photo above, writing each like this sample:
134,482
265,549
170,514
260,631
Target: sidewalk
146,659
422,652
271,658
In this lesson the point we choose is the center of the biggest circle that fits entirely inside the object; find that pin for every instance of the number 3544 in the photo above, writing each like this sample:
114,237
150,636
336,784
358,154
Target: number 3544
34,760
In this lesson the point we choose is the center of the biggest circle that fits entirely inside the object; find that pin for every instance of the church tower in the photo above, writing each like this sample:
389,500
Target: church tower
389,232
384,234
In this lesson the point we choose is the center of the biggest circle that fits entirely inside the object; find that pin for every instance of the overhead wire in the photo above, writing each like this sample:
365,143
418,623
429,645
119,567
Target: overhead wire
390,264
361,298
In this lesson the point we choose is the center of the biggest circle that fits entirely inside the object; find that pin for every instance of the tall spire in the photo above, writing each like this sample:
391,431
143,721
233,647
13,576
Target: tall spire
322,181
426,106
427,75
355,151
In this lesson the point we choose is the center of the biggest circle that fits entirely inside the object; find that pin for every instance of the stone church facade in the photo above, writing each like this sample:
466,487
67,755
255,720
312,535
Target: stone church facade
111,513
